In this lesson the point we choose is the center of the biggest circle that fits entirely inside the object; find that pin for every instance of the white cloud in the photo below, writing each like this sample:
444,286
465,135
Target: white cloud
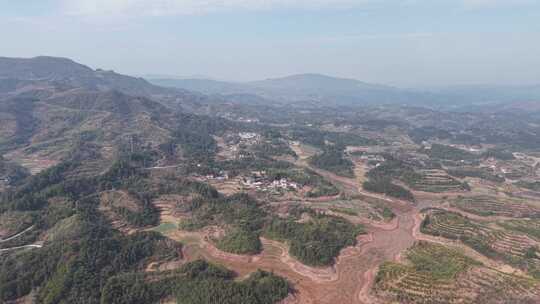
134,8
496,3
398,36
189,7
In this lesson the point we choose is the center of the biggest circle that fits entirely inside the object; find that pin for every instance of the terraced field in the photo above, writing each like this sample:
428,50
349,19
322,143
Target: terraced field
515,170
450,225
484,205
515,248
530,228
435,181
355,207
437,274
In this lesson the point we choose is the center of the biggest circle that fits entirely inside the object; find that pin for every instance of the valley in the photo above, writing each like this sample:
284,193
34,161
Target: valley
115,190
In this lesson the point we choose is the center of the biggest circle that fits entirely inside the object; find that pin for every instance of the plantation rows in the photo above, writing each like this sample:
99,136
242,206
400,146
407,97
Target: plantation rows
529,227
404,284
451,225
492,284
436,274
488,206
511,243
514,248
435,181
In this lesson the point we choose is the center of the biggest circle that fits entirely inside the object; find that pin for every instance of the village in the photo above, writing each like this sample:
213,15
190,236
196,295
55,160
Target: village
257,181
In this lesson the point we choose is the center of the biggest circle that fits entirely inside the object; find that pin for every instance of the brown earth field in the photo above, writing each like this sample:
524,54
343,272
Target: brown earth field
348,281
342,283
351,278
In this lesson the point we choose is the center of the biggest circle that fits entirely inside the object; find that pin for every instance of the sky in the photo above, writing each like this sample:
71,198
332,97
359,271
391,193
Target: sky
407,43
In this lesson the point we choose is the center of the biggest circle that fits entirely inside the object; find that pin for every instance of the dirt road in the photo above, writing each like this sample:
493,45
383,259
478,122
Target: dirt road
349,280
21,247
17,235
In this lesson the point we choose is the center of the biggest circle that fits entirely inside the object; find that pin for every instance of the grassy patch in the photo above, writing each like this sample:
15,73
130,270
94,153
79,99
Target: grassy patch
346,211
165,227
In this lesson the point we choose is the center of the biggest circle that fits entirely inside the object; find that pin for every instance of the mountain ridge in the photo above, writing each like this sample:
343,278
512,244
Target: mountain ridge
301,88
69,72
329,90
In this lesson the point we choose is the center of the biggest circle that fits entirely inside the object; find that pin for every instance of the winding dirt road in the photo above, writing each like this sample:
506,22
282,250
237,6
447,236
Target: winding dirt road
348,281
19,247
17,235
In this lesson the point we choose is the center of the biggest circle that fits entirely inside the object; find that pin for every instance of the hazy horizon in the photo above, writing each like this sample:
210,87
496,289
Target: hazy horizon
400,43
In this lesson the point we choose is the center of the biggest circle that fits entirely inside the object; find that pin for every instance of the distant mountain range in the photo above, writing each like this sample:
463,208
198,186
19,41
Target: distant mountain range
312,89
41,75
468,94
47,104
63,109
68,73
326,90
304,88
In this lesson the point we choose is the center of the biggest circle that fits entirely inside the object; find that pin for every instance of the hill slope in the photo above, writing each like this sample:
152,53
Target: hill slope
67,72
324,90
304,88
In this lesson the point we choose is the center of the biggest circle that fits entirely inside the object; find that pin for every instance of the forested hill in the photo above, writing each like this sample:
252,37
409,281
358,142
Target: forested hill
314,89
78,197
72,74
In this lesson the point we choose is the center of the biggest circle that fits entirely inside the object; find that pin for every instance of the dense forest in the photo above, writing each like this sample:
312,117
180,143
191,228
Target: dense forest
380,178
242,213
316,242
194,283
333,159
438,151
385,186
74,266
83,257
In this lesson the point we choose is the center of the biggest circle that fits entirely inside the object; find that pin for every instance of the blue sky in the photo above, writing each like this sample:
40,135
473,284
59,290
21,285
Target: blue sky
405,43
